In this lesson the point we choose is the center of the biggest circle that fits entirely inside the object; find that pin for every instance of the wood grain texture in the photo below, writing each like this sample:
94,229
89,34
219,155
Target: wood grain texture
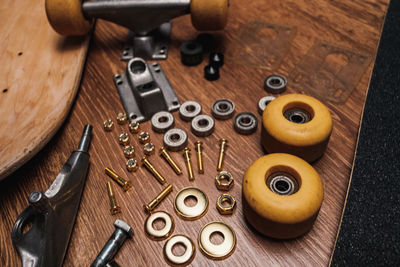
37,82
355,25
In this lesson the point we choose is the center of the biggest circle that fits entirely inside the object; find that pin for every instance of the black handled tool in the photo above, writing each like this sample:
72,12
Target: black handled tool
53,212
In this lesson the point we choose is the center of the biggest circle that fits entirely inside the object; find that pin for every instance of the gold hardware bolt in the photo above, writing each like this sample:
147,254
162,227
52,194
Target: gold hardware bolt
114,208
199,152
126,185
186,155
157,200
164,153
153,170
223,144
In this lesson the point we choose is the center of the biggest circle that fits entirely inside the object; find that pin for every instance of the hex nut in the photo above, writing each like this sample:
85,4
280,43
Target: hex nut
121,118
226,210
134,127
129,152
149,149
219,181
123,139
108,125
132,165
144,137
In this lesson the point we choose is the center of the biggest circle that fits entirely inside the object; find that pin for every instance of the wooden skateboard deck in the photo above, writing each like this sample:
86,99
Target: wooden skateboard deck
39,78
306,30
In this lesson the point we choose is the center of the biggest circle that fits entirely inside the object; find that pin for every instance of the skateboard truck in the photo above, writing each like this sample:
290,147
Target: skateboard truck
52,213
149,21
144,90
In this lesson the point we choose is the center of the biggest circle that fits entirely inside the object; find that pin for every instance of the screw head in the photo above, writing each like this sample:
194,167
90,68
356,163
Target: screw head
123,139
129,152
121,118
132,165
134,127
108,125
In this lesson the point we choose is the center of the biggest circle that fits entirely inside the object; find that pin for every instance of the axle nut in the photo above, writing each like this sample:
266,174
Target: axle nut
224,181
223,209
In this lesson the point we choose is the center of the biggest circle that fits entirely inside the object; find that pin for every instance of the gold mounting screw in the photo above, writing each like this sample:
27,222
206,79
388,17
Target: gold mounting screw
126,185
108,125
144,137
186,155
153,170
132,165
123,139
114,208
223,144
157,200
129,152
121,118
199,152
134,127
149,149
164,153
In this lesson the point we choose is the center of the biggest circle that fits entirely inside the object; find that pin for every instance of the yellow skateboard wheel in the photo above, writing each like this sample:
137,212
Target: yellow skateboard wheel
296,124
66,17
282,195
209,15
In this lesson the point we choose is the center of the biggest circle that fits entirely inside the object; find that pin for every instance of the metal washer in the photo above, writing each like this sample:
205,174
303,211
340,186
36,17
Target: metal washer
202,125
194,212
221,251
184,259
275,84
162,121
245,123
189,110
223,109
162,233
175,139
263,102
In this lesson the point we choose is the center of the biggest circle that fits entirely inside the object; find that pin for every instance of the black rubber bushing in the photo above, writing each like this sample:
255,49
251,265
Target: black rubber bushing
207,41
211,73
217,59
191,53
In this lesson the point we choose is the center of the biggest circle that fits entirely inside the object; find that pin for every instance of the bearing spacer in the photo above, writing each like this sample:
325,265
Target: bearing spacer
162,121
245,123
175,139
203,125
223,109
189,110
275,84
263,102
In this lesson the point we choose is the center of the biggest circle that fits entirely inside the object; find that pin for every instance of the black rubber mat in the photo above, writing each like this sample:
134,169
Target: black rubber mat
370,230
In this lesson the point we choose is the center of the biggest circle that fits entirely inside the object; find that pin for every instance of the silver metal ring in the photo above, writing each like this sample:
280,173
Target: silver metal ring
245,123
203,125
223,109
189,110
275,84
221,251
263,102
175,139
194,212
183,259
162,121
283,183
163,233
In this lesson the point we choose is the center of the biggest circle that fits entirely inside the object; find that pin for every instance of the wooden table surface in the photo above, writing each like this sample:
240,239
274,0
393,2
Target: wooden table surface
351,24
